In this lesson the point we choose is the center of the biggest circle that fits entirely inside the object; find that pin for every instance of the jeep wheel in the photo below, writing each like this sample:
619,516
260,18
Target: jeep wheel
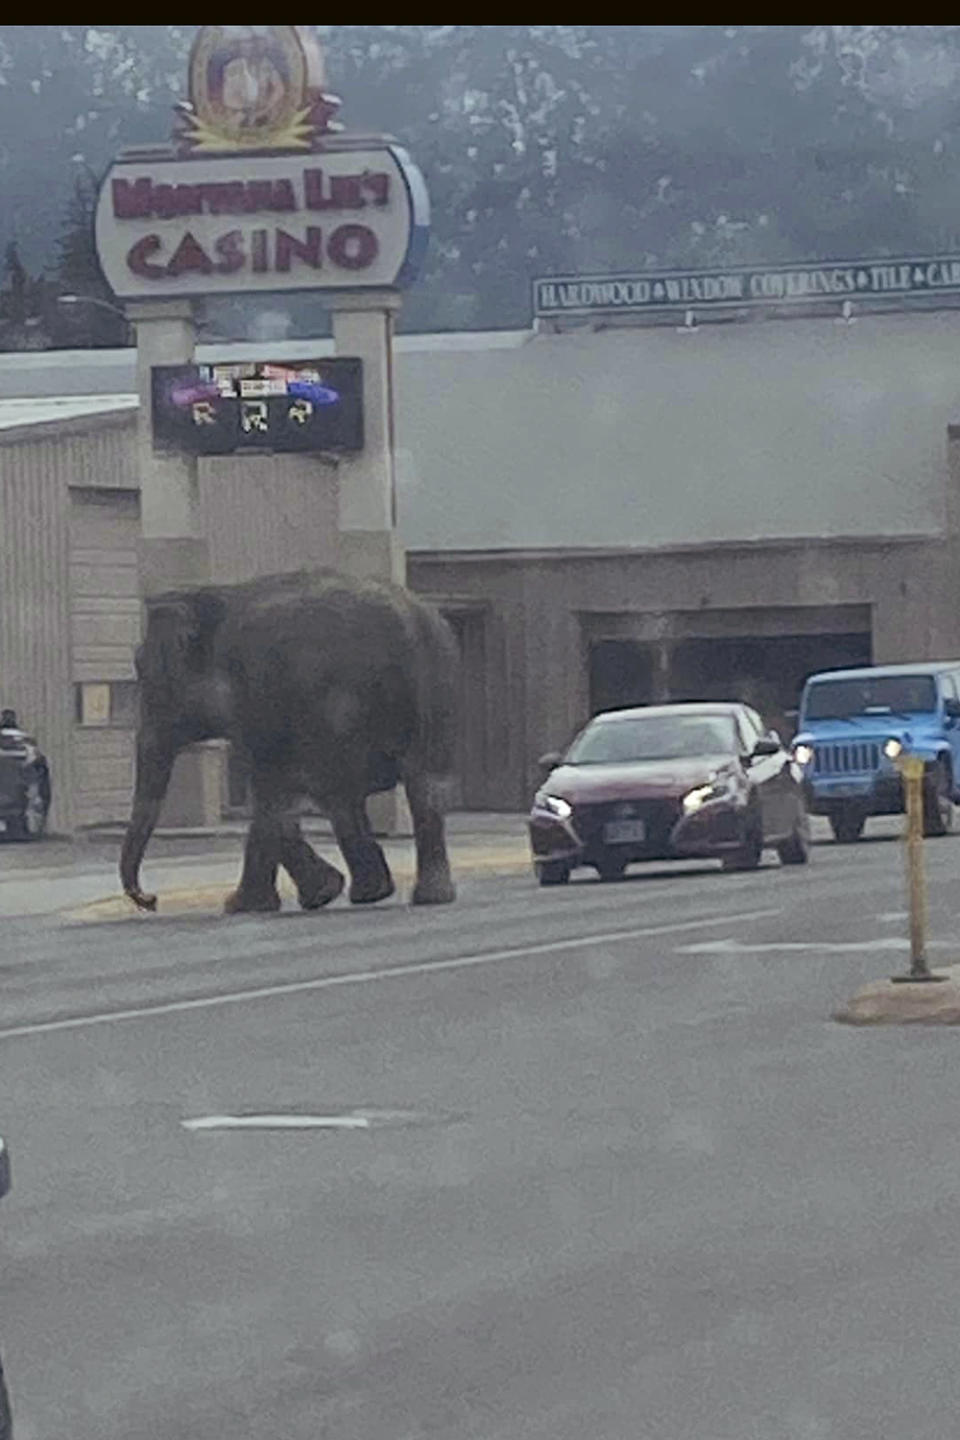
847,825
796,849
553,872
937,803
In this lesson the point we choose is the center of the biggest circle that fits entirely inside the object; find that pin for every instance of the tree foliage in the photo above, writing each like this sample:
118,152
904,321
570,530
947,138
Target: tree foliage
550,148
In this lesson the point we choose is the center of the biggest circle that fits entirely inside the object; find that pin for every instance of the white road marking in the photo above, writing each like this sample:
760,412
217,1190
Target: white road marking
822,947
277,1122
366,977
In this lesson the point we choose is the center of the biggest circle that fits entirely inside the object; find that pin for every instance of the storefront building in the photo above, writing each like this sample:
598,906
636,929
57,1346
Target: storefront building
607,515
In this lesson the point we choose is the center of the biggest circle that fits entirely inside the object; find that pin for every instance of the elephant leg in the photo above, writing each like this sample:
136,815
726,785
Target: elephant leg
434,883
316,880
257,890
369,872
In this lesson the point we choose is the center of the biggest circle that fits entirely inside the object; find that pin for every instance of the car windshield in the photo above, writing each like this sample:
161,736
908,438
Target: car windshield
654,737
838,699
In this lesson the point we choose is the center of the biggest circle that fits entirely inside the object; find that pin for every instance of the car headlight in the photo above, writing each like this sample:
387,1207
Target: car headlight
893,747
718,787
803,754
553,805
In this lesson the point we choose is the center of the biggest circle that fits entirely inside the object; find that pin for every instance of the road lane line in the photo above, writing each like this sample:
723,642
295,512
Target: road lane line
364,977
820,947
277,1122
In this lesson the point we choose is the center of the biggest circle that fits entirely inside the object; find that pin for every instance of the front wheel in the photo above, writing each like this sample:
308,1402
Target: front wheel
795,850
749,855
847,825
553,872
31,820
938,803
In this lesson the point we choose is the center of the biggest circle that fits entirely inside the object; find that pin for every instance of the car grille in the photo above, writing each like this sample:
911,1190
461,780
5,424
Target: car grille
660,817
848,758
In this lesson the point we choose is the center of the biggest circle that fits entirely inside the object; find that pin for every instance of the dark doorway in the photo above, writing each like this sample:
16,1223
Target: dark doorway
765,671
621,673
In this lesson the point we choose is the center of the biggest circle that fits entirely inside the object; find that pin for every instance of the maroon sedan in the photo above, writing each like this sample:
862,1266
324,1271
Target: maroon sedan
668,782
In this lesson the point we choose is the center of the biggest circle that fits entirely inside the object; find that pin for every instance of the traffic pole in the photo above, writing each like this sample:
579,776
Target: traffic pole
911,768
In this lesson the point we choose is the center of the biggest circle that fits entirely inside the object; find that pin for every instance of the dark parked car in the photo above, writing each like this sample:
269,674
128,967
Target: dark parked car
24,787
668,782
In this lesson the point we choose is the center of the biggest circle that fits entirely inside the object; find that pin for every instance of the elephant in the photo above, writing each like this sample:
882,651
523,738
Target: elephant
331,688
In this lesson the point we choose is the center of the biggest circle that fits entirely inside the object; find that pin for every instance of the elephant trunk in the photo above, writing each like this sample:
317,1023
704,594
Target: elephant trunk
154,766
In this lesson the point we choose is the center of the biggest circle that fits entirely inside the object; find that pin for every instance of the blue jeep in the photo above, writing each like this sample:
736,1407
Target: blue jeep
852,726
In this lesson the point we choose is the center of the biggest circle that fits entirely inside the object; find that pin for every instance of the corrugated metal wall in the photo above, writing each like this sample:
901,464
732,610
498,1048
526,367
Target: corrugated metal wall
34,629
105,631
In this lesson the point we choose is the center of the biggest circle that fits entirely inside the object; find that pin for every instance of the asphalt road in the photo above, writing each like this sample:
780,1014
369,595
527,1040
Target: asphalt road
605,1168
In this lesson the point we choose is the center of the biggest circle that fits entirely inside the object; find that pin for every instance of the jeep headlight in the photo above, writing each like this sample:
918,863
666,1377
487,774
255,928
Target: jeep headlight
803,754
553,805
893,748
718,787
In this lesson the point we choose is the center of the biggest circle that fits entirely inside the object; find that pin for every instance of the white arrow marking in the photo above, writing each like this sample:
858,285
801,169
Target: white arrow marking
277,1122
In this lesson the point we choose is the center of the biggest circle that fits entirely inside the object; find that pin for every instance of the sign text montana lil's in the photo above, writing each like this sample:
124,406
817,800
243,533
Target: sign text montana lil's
261,192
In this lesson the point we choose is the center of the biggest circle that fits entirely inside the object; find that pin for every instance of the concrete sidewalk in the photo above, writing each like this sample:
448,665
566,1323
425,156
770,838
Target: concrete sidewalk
194,870
462,824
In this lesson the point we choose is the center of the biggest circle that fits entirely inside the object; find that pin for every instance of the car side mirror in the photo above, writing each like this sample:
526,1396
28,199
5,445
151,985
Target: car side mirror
951,708
549,762
766,746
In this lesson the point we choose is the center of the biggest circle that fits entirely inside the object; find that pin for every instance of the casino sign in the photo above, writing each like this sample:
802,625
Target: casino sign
260,193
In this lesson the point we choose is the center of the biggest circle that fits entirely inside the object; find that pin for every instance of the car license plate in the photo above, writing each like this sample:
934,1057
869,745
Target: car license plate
624,832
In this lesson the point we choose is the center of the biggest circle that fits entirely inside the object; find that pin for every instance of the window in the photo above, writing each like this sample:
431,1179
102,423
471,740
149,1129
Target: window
755,723
102,703
874,694
654,737
745,733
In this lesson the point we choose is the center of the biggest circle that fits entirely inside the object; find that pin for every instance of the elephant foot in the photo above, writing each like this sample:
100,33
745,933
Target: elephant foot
239,903
434,890
368,892
314,894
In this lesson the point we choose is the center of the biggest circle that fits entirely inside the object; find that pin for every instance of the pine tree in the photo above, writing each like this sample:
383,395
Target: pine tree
77,272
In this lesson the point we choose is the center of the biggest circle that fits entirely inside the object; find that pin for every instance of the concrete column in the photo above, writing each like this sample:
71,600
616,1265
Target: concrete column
173,552
369,546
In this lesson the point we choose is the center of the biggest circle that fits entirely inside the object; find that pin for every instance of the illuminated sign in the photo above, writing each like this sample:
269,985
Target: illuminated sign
298,405
255,87
349,219
259,193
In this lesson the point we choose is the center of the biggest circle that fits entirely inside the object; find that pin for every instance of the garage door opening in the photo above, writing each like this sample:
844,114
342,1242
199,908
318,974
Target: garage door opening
766,671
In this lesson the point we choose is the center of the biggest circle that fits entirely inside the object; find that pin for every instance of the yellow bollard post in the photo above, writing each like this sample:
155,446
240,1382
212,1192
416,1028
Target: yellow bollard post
911,767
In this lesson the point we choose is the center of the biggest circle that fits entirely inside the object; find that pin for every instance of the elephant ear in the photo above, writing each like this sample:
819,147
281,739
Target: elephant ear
179,632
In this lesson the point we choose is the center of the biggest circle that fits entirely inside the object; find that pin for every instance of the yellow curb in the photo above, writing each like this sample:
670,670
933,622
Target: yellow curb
884,1003
200,899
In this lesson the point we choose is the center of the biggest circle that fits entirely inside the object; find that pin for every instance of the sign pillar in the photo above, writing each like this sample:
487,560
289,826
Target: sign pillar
173,552
369,546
